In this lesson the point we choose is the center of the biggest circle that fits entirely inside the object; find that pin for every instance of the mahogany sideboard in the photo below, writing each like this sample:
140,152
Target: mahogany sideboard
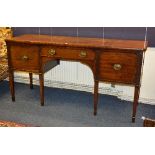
114,61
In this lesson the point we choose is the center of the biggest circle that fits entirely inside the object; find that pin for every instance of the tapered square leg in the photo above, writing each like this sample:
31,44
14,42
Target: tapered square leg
96,83
11,83
31,80
135,103
41,79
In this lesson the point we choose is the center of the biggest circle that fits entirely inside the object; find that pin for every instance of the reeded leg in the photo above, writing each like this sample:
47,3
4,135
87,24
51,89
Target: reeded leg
31,80
135,103
41,79
11,82
96,83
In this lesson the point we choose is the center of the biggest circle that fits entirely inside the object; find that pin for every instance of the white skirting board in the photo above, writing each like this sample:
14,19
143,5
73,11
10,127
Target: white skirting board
82,87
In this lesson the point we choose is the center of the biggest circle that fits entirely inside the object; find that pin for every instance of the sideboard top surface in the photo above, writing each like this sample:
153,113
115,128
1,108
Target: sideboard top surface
81,42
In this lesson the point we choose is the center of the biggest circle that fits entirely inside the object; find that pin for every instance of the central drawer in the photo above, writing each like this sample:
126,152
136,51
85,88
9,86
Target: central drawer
68,53
118,67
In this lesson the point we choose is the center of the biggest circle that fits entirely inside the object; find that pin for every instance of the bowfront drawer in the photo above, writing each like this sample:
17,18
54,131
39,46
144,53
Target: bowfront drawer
24,57
118,67
68,53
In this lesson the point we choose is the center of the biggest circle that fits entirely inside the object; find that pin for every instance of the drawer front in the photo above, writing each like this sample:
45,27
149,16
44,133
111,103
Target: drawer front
24,57
68,53
118,67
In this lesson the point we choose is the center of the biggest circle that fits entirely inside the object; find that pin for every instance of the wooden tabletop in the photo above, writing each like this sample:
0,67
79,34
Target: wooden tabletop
81,42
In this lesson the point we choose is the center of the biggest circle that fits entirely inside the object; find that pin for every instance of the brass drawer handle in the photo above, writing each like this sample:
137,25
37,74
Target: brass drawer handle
117,67
52,52
83,54
25,58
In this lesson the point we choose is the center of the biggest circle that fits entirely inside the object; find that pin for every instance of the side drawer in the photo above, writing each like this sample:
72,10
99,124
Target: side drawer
24,57
68,53
118,67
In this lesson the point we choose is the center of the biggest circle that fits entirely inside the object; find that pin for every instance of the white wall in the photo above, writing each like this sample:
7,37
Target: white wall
73,75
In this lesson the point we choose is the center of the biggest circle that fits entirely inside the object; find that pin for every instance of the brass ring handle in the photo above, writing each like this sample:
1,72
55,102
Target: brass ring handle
25,58
83,54
52,52
117,67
